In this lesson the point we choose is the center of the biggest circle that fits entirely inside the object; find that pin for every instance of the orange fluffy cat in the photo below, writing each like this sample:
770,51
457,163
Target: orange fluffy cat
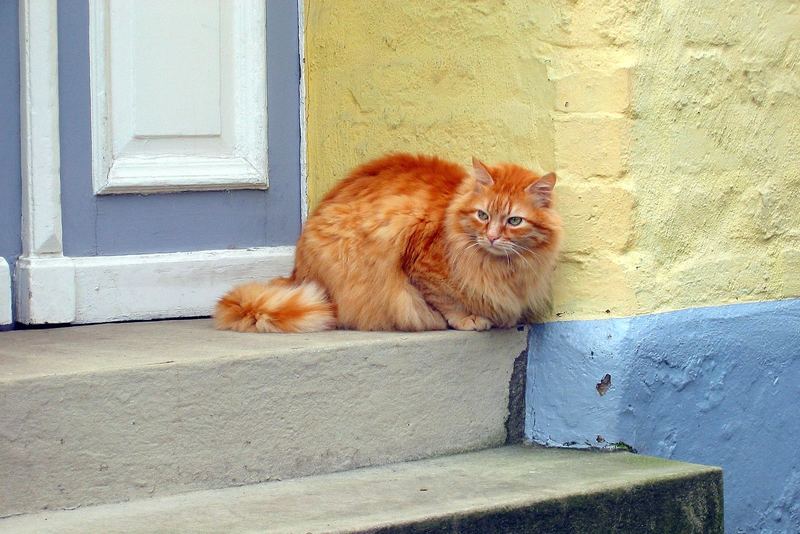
413,243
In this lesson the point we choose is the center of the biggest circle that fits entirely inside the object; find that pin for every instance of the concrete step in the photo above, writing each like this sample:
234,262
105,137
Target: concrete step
109,413
509,489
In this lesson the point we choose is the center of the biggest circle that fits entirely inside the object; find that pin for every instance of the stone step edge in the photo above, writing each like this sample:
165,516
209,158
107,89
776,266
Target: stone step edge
518,488
202,422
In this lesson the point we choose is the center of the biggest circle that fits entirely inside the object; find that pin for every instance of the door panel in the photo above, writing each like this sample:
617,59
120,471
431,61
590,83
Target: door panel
185,221
178,94
167,68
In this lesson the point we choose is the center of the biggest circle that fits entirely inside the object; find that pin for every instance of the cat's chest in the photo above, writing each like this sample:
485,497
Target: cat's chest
499,296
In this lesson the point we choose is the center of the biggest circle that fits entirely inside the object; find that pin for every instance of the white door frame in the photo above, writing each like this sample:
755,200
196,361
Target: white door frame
53,288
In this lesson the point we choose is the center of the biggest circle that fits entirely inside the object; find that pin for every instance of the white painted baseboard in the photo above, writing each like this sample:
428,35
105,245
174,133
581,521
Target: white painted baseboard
5,293
147,286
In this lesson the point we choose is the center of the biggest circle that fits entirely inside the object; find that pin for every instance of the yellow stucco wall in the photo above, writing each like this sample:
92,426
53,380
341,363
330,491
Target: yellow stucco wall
674,128
423,76
715,159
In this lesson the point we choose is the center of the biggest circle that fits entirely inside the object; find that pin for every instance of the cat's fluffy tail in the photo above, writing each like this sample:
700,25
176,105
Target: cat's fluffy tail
279,305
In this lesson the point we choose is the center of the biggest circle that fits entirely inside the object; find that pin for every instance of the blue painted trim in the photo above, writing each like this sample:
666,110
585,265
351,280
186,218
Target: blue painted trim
717,386
10,166
10,170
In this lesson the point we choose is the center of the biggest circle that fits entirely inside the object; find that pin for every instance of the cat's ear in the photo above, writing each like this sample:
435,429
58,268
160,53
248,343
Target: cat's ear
542,190
481,174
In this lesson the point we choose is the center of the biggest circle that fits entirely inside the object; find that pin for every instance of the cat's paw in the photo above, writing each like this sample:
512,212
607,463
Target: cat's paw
471,322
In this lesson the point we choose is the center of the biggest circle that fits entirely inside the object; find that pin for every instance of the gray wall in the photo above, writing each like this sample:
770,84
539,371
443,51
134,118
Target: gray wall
130,224
10,246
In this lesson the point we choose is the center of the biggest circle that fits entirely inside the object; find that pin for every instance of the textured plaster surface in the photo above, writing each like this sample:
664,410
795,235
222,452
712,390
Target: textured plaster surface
512,489
714,385
675,134
109,413
715,157
670,124
449,77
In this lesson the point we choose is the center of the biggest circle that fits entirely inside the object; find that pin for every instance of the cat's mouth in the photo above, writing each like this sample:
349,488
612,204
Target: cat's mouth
497,248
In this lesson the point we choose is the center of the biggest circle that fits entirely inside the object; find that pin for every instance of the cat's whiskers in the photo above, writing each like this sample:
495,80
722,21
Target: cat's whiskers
523,259
521,256
462,251
526,249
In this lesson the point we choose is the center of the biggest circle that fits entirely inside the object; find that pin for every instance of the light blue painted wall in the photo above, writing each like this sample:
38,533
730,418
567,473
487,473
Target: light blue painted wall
127,224
717,386
10,245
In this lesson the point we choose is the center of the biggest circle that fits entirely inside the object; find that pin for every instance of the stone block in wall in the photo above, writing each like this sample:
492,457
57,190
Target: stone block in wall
698,277
703,23
594,91
596,216
591,286
591,144
589,23
788,268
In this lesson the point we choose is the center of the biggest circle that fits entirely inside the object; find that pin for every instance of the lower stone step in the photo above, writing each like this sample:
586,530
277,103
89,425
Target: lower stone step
110,413
509,489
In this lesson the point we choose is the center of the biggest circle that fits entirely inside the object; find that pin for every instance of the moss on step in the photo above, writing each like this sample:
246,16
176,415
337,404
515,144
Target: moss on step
679,506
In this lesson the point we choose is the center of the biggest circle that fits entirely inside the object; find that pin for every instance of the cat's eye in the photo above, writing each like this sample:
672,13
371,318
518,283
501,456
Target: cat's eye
514,221
482,215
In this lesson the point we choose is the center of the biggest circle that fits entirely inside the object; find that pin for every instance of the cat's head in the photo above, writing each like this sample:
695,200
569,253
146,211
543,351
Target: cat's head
507,211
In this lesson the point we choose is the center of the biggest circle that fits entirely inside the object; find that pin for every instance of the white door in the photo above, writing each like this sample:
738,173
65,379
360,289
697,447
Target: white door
177,149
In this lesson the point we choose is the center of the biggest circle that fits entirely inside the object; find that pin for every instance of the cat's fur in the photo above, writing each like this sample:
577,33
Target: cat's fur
400,245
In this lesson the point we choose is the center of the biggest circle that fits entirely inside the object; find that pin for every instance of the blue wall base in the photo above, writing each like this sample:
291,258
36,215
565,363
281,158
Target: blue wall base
718,386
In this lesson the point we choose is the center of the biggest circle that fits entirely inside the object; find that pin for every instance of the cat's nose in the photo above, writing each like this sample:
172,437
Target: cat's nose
492,239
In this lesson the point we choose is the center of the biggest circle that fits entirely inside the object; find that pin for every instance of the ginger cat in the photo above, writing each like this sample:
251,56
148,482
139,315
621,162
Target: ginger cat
413,243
